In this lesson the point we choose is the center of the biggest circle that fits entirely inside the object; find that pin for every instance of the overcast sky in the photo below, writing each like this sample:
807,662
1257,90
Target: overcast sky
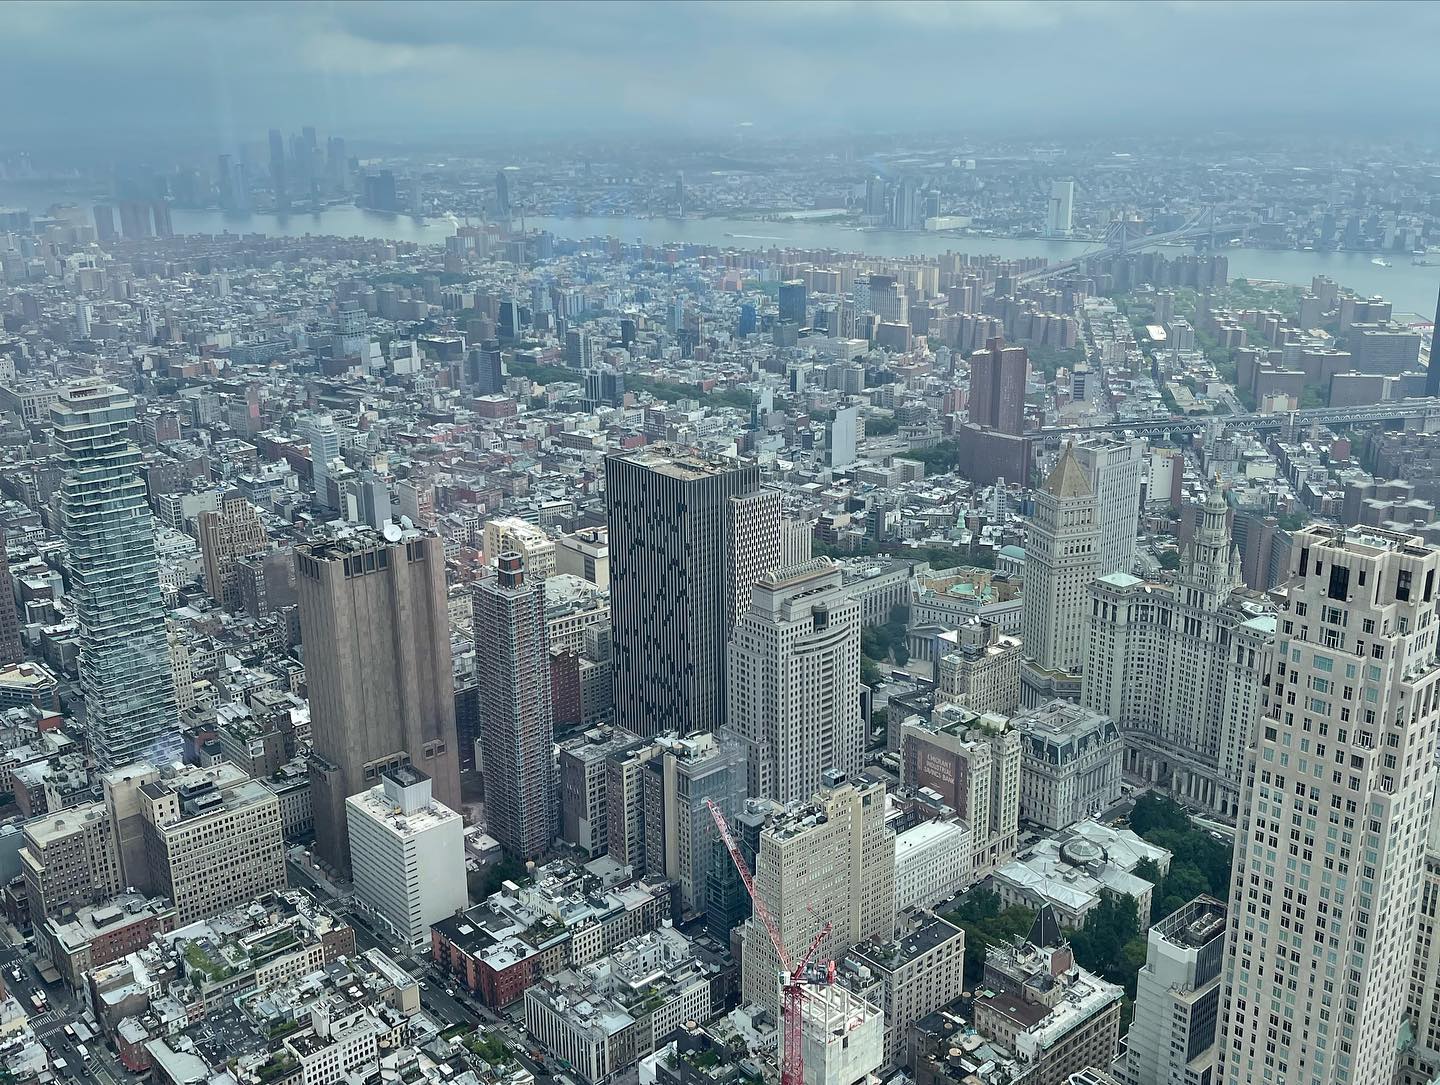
220,72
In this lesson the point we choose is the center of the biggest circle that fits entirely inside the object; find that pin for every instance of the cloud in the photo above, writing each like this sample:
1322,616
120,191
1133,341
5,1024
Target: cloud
222,72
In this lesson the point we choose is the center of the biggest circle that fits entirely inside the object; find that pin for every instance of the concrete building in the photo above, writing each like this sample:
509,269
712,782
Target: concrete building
794,678
512,534
982,672
407,854
69,859
625,802
1115,467
583,820
932,864
829,860
585,553
1420,1062
1181,667
1054,1015
213,839
517,720
681,840
1062,553
233,531
1356,653
997,387
377,665
1070,763
1072,872
971,763
11,648
1060,209
1177,999
842,1037
919,971
674,556
942,602
130,709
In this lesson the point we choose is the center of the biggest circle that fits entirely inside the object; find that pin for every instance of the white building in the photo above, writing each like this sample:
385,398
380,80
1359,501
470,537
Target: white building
1177,995
831,860
524,538
1114,466
1345,748
1070,763
842,1037
794,679
1181,667
1061,557
932,864
407,853
982,671
1059,211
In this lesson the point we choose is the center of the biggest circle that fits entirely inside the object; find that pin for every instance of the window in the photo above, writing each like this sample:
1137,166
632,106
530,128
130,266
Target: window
1402,586
1339,582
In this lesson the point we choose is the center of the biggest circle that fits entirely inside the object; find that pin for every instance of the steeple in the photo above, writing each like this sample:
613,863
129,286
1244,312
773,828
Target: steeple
1211,562
1068,478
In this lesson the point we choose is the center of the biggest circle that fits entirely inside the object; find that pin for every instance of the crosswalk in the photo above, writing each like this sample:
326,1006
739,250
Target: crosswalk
47,1023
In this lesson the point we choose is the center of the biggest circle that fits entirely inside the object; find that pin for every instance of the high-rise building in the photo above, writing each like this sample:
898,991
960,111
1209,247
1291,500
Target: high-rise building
625,802
70,858
997,387
130,710
792,302
1062,549
794,679
1114,467
279,182
841,436
672,551
1420,1062
1181,667
376,635
754,534
830,860
213,839
324,447
584,821
1059,210
233,531
517,719
84,312
1177,999
407,854
104,223
982,671
510,534
484,370
922,970
1432,369
502,196
682,843
1335,805
973,763
12,650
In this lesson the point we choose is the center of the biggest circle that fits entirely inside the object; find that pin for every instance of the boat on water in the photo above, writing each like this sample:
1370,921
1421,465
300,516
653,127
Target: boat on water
1378,262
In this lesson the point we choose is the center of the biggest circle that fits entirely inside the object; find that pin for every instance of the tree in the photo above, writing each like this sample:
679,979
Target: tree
1169,559
985,923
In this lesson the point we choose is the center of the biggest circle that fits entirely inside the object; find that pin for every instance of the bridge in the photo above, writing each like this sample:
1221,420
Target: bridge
1118,242
1426,410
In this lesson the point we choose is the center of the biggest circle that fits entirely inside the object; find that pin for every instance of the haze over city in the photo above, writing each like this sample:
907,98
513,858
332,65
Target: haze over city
719,544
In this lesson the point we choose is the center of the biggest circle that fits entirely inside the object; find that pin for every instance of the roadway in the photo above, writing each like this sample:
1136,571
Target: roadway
1426,409
62,1010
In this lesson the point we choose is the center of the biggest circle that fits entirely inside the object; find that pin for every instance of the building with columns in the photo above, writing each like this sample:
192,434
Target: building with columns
1180,667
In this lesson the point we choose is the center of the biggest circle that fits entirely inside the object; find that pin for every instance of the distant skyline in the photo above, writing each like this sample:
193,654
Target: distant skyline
213,75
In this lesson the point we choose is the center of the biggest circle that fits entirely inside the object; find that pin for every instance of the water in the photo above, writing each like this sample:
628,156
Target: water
1411,289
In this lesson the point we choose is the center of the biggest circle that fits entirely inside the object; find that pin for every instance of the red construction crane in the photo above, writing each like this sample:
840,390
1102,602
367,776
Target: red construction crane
792,976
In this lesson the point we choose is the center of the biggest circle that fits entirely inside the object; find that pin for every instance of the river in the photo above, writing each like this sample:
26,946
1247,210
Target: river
1412,289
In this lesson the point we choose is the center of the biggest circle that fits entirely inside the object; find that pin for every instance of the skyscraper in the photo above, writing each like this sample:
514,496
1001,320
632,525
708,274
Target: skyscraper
324,447
130,710
829,860
376,634
517,720
1061,553
792,302
1114,466
1181,667
11,648
104,223
1058,211
667,510
278,180
1432,370
997,386
231,532
502,196
1335,805
794,680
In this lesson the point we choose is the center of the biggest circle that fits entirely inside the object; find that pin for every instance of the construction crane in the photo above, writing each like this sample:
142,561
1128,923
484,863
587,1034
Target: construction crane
792,974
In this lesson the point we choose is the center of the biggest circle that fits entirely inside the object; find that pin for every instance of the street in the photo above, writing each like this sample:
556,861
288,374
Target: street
49,1026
